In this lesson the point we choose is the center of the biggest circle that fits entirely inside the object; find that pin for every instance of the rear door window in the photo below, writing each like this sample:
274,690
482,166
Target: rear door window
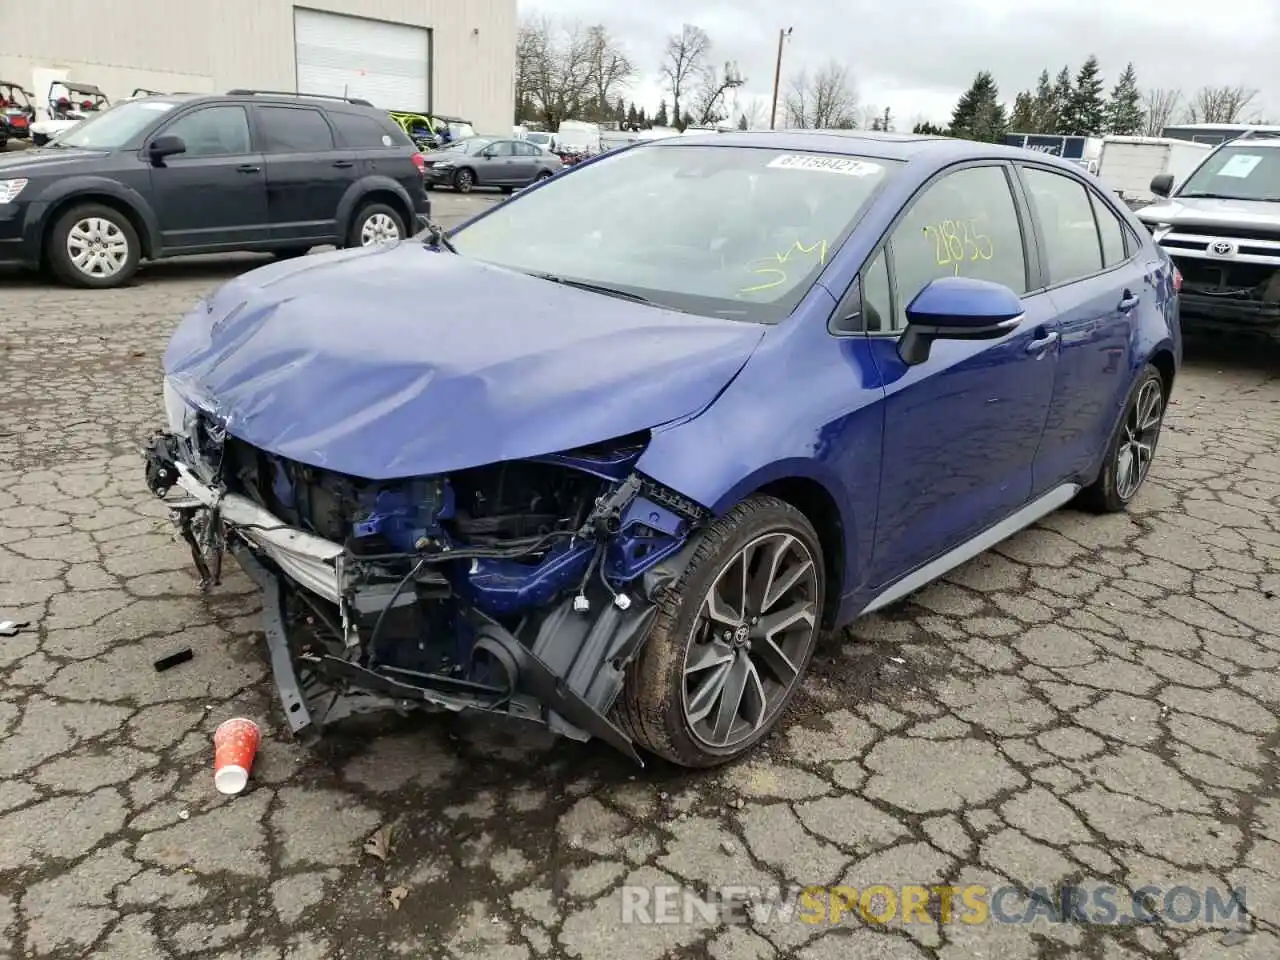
1061,203
294,130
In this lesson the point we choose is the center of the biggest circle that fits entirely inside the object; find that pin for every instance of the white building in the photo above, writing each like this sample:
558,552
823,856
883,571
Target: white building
452,57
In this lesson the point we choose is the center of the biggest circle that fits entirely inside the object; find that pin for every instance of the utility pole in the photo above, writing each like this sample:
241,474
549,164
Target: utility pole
777,77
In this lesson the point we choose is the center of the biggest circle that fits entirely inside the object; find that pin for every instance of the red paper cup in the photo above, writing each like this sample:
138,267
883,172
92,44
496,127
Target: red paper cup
235,744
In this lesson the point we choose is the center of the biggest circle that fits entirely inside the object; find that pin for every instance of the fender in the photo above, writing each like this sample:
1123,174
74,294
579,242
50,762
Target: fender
62,189
365,186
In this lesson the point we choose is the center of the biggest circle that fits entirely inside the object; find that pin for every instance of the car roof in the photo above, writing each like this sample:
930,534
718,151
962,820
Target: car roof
862,143
272,99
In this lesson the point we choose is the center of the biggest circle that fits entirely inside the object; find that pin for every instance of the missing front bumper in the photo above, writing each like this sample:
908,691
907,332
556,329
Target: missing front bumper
564,671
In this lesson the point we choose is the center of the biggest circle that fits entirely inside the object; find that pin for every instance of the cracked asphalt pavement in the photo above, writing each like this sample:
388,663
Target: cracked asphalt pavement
1097,701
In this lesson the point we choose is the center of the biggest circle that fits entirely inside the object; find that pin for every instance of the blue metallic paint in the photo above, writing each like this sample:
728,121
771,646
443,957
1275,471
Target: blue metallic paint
914,460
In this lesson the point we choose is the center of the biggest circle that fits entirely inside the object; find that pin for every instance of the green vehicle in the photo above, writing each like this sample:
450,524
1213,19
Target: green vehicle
430,131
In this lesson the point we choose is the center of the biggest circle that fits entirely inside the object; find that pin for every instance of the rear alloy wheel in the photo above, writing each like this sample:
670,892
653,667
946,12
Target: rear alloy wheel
464,181
1132,448
732,639
544,175
374,225
92,245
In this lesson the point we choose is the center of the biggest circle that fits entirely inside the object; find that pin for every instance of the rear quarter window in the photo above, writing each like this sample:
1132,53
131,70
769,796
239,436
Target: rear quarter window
368,133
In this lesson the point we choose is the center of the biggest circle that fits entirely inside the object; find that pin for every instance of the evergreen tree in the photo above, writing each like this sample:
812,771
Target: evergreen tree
633,117
1061,101
1023,119
1125,115
1044,115
1086,113
643,121
743,122
886,121
620,113
686,121
927,129
979,115
660,119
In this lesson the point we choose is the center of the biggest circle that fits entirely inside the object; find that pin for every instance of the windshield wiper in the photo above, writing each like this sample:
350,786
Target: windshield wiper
593,287
1203,195
436,238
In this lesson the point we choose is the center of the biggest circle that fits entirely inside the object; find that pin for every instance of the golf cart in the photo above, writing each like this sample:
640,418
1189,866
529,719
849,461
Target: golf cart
69,103
17,111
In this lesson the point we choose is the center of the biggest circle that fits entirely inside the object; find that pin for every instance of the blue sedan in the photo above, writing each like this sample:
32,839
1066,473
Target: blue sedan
611,456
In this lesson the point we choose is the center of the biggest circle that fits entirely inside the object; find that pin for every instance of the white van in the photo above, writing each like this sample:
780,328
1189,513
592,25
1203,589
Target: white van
574,136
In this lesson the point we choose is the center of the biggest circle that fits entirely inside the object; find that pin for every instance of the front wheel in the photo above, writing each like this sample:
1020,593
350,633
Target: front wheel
93,245
1132,447
732,639
464,181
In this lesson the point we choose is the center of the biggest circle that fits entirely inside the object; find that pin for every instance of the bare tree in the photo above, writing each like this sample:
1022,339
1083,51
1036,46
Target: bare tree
1219,104
709,99
611,69
683,60
1159,107
754,110
566,71
827,101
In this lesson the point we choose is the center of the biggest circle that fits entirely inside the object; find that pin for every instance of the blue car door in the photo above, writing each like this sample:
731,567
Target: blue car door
961,429
1099,283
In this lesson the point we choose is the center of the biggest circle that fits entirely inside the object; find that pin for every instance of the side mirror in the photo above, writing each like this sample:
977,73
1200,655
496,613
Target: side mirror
165,146
957,308
1162,184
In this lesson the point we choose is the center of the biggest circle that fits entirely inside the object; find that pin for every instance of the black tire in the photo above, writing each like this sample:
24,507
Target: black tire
116,229
464,181
651,707
289,253
1111,492
507,191
377,213
543,175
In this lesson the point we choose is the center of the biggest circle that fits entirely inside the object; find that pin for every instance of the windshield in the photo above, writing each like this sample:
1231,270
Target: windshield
723,231
542,139
116,127
1240,172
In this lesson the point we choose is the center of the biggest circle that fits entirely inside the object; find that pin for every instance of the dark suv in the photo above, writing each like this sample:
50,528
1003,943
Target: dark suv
171,175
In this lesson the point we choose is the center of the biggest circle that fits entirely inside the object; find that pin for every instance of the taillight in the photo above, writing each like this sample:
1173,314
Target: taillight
420,162
1177,280
86,104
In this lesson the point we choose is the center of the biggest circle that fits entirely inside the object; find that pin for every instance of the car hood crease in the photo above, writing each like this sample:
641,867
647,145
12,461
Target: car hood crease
408,362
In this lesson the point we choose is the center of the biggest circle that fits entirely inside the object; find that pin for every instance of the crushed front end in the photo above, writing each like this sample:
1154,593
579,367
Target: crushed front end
1230,273
522,588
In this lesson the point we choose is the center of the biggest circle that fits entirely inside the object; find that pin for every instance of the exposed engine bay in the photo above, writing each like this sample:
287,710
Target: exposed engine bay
523,588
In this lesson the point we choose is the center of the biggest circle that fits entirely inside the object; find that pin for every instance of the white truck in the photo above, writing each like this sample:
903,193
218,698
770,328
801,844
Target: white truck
1127,164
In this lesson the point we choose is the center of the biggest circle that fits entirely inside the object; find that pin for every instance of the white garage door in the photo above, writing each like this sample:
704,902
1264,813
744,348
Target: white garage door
384,63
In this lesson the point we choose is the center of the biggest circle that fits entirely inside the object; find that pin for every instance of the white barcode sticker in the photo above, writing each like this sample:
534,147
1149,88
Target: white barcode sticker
826,164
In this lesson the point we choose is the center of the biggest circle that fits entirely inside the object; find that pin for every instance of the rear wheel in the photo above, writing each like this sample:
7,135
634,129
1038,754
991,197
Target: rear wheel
288,253
374,224
732,640
1132,448
544,175
92,245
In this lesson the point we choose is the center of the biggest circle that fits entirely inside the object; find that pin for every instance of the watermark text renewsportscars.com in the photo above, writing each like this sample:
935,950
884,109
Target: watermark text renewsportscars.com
971,904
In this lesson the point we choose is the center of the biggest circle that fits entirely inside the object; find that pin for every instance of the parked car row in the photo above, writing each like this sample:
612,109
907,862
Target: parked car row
164,176
489,162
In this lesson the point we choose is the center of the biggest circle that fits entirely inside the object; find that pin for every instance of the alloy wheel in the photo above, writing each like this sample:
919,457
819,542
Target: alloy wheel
379,228
750,640
1138,439
97,247
464,181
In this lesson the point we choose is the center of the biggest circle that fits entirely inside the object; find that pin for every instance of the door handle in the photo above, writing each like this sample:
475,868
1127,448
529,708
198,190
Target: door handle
343,163
1128,302
1041,344
248,168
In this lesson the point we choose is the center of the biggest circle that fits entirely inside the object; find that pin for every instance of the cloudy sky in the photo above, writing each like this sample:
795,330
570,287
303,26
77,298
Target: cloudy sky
916,56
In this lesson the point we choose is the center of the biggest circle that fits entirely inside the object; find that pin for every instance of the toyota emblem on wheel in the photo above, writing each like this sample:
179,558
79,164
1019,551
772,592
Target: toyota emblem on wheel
1221,248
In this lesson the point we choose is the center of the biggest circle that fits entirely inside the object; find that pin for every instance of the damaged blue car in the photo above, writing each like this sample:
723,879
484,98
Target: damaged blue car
612,455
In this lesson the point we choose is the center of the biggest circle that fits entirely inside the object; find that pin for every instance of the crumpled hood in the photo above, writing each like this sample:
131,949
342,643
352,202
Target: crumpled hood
1206,212
401,361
